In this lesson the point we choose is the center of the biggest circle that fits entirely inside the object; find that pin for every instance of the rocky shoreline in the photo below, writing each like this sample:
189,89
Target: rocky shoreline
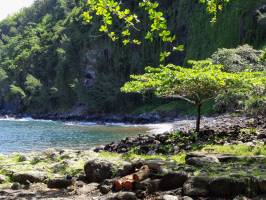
143,118
220,130
226,160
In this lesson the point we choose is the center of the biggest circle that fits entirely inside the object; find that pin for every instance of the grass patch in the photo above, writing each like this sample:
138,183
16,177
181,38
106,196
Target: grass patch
18,157
76,168
249,131
238,150
133,156
179,158
6,185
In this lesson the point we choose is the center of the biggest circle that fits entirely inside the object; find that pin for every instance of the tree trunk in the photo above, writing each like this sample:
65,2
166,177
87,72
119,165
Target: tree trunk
198,117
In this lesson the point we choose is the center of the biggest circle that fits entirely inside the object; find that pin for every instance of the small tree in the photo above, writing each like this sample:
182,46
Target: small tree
196,85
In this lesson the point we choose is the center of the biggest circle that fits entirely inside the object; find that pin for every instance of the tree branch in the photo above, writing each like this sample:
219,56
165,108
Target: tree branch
203,101
180,97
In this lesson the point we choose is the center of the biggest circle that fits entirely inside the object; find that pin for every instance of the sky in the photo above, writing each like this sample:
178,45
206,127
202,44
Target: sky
8,7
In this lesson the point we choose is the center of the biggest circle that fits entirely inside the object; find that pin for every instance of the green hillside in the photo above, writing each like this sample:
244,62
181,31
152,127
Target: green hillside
51,61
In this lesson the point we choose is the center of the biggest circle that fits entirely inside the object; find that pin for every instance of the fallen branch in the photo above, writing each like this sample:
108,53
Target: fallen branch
127,182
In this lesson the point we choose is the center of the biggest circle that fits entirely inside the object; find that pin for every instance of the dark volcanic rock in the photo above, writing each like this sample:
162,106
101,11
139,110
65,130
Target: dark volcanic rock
104,189
98,171
16,186
173,180
126,169
29,177
197,186
106,186
149,185
261,136
229,186
59,183
99,149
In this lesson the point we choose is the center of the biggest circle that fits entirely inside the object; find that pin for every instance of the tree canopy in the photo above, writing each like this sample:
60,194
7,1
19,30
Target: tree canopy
196,85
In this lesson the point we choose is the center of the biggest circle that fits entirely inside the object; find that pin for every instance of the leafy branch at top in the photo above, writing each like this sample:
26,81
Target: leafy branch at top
214,7
111,10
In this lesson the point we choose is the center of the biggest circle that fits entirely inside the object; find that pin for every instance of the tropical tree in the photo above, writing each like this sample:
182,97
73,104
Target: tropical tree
196,85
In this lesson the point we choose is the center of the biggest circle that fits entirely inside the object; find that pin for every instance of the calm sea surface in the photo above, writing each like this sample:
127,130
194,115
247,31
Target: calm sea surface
30,135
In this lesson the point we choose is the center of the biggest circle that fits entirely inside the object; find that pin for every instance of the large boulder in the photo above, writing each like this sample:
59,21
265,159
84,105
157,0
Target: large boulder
197,186
28,177
98,170
229,186
59,183
197,159
173,180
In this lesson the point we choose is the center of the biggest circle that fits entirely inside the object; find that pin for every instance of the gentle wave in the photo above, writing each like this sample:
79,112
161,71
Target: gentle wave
154,128
80,123
25,119
100,124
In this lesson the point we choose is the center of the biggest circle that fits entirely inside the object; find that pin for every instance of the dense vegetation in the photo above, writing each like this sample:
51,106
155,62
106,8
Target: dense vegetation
49,54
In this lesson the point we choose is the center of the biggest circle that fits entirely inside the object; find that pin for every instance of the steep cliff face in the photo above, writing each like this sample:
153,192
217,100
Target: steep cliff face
51,61
238,24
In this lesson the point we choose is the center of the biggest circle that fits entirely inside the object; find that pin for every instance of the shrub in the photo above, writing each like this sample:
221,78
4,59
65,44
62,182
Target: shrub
256,105
230,101
243,58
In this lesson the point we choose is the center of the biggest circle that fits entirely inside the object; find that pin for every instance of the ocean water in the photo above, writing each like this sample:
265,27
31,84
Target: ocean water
25,135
